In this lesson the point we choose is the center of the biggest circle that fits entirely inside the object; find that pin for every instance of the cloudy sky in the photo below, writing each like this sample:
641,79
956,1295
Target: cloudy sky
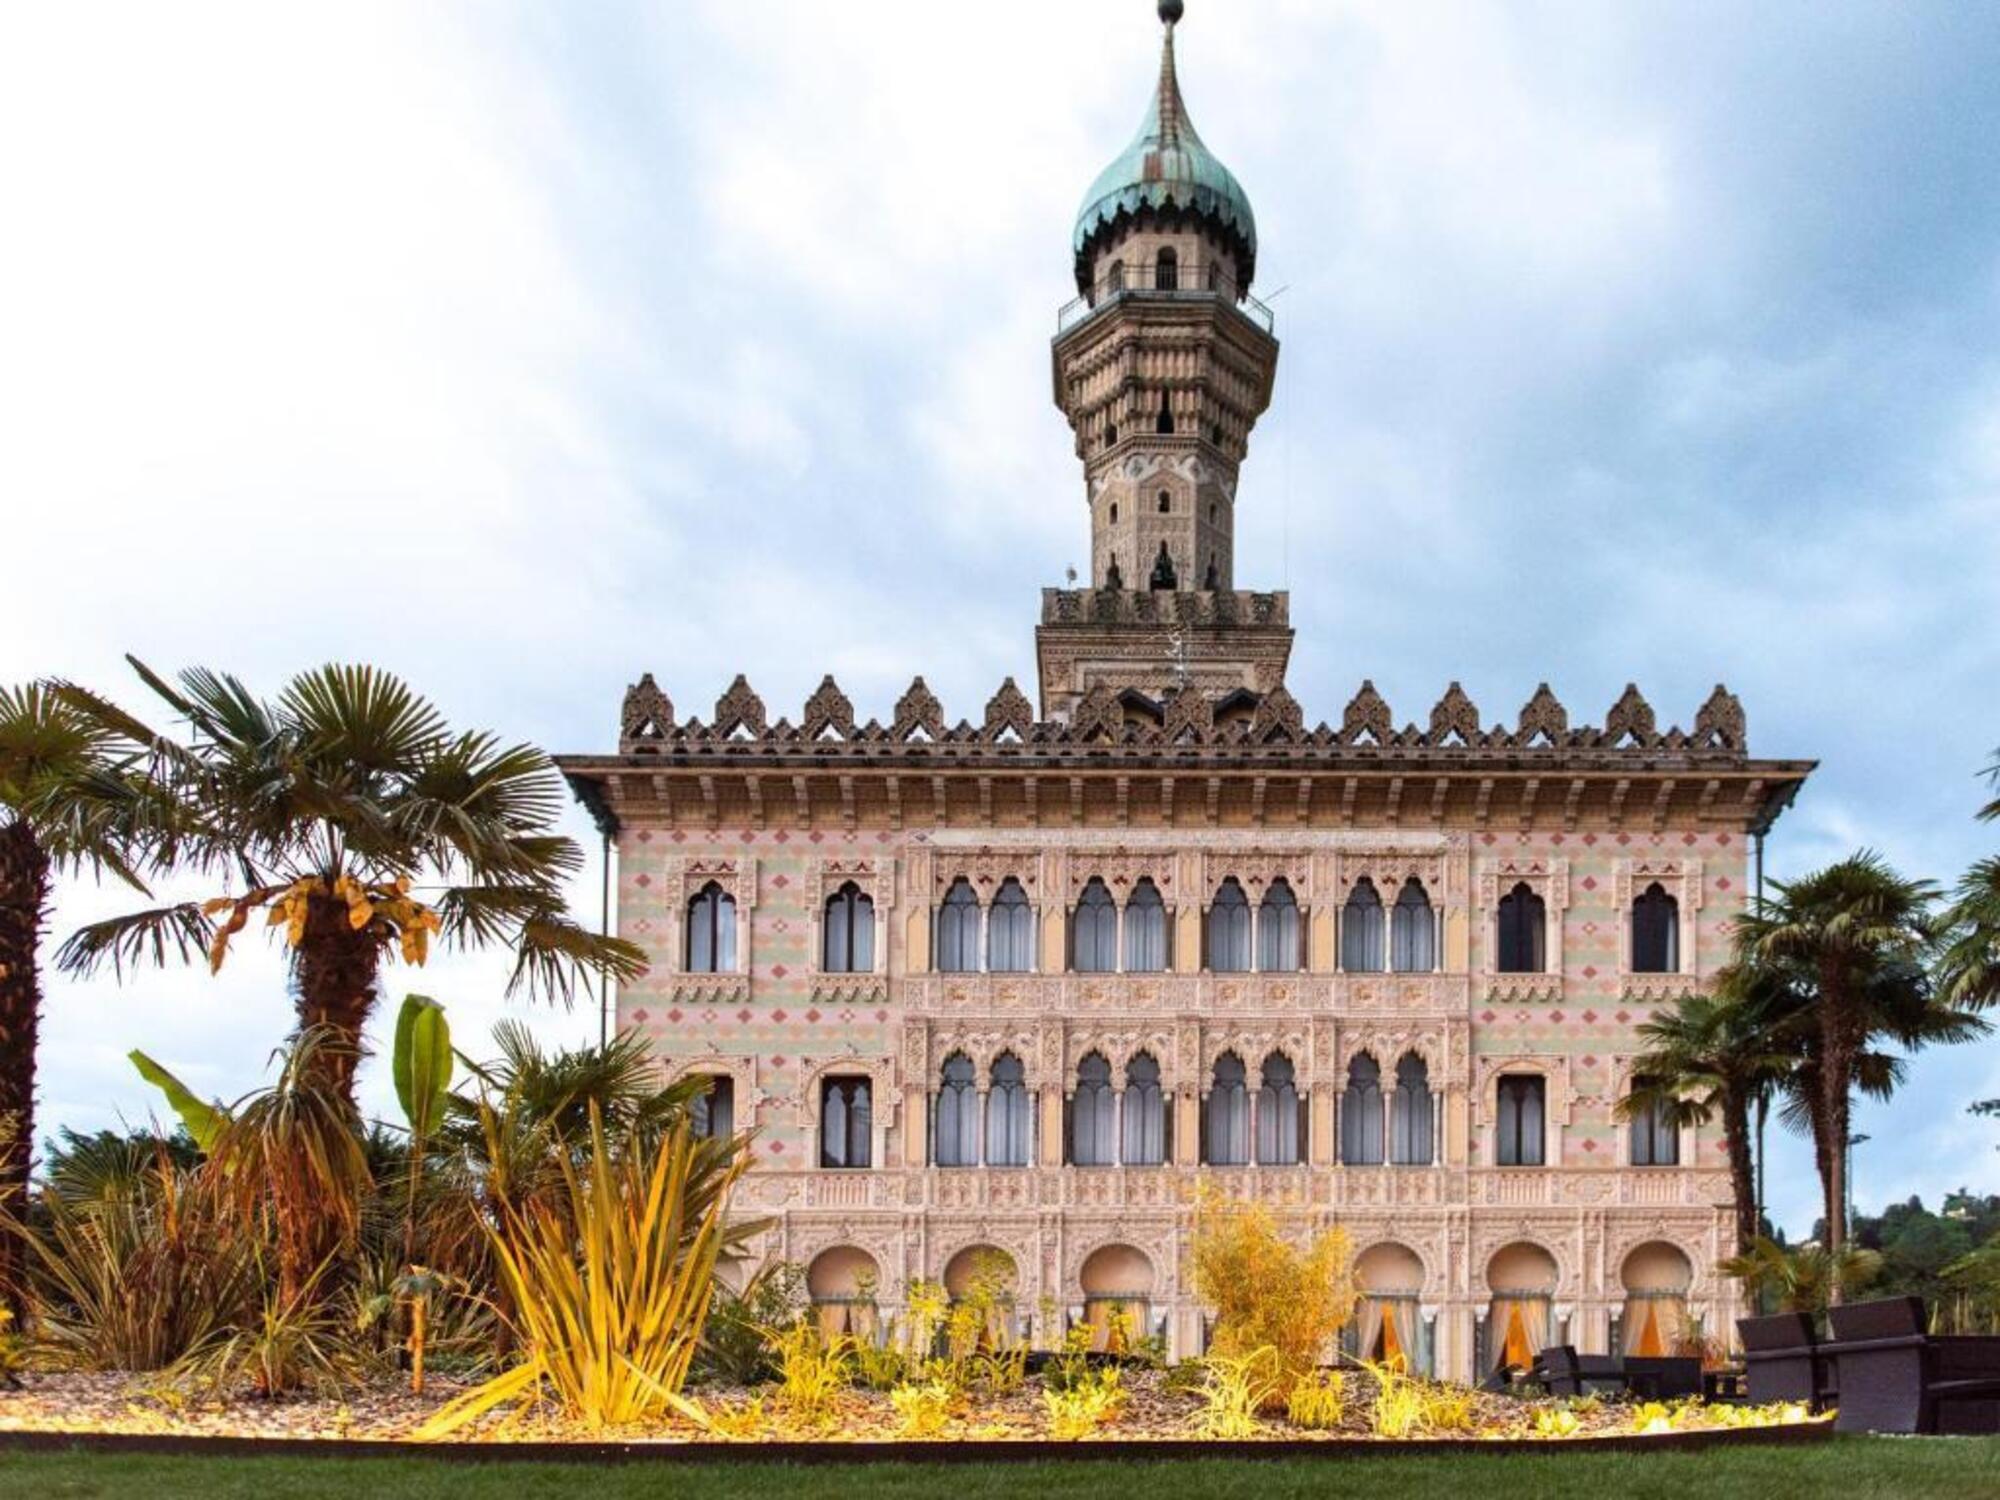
523,348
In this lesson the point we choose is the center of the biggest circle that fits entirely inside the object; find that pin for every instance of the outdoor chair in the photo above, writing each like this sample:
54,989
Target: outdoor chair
1895,1377
1783,1360
1657,1378
1563,1372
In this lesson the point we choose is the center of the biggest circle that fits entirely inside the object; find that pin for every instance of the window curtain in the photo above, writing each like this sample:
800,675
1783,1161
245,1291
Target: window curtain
1410,1114
1145,1114
1117,1323
1278,1114
844,1121
1653,1323
1229,930
1518,1330
1361,930
714,1115
849,929
1361,1114
1413,931
1010,931
1520,1121
1387,1331
1655,932
1095,941
1278,930
1523,932
957,1114
1093,1115
712,931
1145,930
958,930
1228,1114
1007,1114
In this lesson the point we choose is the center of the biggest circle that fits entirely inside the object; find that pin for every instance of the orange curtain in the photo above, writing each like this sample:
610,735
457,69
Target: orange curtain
1517,1354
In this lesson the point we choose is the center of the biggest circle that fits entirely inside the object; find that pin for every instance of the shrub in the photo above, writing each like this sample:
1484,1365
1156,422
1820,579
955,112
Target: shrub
1318,1401
1407,1406
610,1289
1092,1401
813,1370
733,1344
295,1342
1269,1293
1236,1388
923,1411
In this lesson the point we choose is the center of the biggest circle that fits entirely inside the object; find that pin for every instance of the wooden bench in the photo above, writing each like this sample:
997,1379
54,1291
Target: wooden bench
1895,1377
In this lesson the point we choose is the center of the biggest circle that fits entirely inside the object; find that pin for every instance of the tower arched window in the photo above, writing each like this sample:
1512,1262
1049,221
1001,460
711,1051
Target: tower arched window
1228,1115
957,1114
958,930
849,946
1361,930
1164,423
1229,930
1145,1142
1215,275
1413,931
1007,1113
1114,279
1523,936
1278,947
1656,932
1010,930
1410,1119
1093,1115
1094,933
1166,503
1167,270
1145,929
1278,1113
845,1136
1361,1114
711,934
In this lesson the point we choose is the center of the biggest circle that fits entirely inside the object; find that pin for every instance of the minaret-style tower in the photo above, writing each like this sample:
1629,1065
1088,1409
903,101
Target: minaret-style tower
1162,366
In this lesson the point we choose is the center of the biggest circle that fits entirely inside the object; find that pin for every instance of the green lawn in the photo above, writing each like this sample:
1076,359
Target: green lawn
1852,1468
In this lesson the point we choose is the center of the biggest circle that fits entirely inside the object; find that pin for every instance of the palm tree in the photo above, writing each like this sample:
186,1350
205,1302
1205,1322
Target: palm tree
66,803
1802,1278
349,813
1717,1056
1969,951
1853,935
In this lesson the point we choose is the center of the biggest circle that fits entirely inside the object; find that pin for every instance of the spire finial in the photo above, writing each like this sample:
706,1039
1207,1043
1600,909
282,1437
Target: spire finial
1171,11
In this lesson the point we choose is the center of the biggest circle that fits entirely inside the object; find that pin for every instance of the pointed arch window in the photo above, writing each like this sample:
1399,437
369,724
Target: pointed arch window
1094,933
1229,930
1228,1114
1361,1114
1413,931
1278,1113
1093,1115
1654,1140
1010,930
1656,932
1145,1143
1145,929
1521,1112
1164,423
1007,1113
1523,947
1410,1119
849,946
1115,281
845,1119
711,935
1361,930
958,929
957,1114
1278,947
713,1116
1167,270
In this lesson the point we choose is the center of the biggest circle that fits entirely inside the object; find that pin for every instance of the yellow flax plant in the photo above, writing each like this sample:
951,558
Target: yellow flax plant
1269,1292
1234,1389
609,1288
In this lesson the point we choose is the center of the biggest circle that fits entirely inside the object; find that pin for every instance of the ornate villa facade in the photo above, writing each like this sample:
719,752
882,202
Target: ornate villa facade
1019,982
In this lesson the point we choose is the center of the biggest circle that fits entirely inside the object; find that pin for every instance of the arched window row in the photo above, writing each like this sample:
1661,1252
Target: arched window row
1402,936
1118,1120
1106,938
1395,1121
1272,932
994,938
971,1126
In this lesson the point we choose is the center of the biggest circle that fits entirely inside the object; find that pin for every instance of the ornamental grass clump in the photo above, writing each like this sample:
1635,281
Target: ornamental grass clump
1093,1400
1268,1292
1234,1389
1318,1401
813,1369
609,1287
925,1410
1407,1406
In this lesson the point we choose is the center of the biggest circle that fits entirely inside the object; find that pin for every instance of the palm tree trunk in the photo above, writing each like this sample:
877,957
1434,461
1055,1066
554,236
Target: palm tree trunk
24,911
1742,1181
335,968
1837,1054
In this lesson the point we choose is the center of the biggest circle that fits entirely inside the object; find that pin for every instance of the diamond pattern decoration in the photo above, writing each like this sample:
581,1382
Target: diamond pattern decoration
1589,971
1488,1017
812,1016
675,1016
779,971
1590,1019
1622,1017
743,1017
1556,1016
639,1016
642,881
778,1016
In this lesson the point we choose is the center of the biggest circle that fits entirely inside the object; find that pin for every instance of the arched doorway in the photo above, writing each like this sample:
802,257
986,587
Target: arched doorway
1654,1320
1520,1319
842,1283
1117,1283
985,1276
1388,1325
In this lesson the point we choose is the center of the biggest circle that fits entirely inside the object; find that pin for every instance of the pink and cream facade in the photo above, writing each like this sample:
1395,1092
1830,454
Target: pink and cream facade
1021,981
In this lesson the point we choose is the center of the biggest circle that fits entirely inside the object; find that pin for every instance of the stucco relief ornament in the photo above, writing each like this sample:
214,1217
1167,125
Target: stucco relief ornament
1454,714
739,708
828,708
1543,716
1009,709
918,709
1189,713
1367,715
1720,721
1096,713
1631,715
1278,716
648,716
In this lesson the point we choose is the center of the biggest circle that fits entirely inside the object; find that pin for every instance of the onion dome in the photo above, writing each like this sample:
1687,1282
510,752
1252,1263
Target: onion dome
1166,169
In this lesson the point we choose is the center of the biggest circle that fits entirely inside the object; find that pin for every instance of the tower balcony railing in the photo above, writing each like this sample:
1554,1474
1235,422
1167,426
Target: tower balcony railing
1199,282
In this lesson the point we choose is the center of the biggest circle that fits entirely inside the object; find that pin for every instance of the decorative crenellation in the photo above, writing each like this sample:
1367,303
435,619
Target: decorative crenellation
1183,717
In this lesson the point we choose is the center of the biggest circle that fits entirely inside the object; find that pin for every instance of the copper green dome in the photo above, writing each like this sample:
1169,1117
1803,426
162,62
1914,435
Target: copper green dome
1165,168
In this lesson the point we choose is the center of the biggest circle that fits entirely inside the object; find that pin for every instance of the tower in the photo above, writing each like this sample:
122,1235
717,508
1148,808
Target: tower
1162,365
